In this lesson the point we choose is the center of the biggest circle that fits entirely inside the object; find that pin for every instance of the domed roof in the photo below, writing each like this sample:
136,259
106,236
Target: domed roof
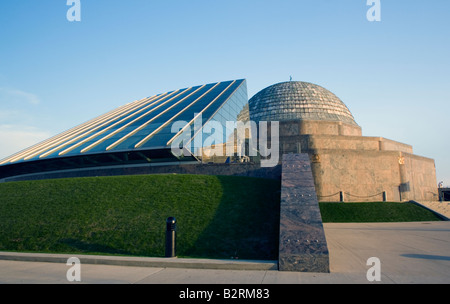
296,100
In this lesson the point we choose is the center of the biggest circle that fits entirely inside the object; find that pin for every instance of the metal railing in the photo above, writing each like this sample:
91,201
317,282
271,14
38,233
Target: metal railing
343,194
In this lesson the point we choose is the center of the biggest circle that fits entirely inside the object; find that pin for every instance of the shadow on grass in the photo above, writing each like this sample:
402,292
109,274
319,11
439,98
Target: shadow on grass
245,225
92,248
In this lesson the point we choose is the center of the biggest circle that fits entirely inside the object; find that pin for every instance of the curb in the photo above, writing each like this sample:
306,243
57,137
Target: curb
143,261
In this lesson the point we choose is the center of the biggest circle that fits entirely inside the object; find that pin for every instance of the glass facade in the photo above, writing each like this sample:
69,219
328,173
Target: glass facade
140,126
226,109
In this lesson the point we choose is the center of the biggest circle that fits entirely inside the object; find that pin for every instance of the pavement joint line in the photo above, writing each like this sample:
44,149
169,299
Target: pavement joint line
153,274
143,261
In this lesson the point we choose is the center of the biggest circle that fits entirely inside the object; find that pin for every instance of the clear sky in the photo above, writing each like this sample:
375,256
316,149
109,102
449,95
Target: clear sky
394,75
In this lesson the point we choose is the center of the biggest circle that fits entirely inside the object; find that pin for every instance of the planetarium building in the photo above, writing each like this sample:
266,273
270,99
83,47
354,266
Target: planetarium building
346,165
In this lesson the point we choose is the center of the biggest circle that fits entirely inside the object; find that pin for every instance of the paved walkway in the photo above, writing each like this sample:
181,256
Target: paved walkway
409,253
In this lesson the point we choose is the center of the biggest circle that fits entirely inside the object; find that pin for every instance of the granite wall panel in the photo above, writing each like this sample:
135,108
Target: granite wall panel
303,245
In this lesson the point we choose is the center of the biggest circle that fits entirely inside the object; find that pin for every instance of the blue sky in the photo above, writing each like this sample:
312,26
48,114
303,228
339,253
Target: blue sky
393,75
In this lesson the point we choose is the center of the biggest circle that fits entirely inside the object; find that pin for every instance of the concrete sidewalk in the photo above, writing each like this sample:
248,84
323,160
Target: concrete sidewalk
409,253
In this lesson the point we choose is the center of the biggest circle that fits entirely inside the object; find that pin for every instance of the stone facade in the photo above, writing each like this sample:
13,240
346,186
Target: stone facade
302,245
360,168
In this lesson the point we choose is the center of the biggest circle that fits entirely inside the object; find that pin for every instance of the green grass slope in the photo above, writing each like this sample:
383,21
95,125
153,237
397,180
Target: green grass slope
218,216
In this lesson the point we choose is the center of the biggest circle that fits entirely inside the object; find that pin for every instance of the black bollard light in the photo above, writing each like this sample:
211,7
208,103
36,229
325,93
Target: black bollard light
171,226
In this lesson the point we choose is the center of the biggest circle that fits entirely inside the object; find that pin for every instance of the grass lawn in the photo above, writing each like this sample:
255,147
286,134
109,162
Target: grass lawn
374,212
218,216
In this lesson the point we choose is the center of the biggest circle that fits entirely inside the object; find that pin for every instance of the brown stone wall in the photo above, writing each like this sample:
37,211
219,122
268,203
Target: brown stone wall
360,167
362,176
390,145
294,128
420,175
343,143
349,130
315,142
365,175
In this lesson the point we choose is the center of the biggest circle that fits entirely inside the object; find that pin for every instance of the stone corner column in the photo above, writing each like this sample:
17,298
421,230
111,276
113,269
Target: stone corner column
303,246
